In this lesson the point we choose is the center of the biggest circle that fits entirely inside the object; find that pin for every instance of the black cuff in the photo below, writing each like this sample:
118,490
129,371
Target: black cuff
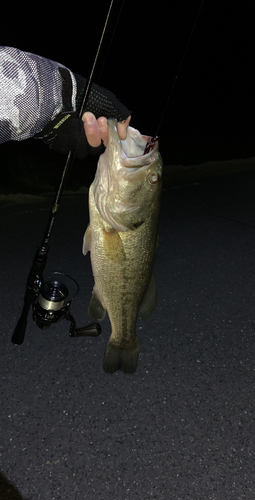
98,150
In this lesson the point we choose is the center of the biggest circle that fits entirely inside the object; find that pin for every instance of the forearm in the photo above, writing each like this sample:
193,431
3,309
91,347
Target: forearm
31,93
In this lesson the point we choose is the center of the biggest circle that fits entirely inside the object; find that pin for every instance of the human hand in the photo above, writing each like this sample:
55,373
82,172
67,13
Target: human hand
96,130
83,136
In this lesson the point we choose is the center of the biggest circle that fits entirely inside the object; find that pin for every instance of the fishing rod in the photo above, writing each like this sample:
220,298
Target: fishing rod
50,298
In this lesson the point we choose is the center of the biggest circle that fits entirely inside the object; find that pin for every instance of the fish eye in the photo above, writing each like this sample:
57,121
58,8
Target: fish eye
153,178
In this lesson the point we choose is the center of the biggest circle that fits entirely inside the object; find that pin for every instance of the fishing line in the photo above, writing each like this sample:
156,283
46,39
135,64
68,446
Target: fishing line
89,82
106,55
180,66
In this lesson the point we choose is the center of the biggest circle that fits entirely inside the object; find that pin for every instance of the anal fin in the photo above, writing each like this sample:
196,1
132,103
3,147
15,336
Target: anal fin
96,310
149,302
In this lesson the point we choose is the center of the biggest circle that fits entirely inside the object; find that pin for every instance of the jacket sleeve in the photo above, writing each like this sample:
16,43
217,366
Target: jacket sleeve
30,93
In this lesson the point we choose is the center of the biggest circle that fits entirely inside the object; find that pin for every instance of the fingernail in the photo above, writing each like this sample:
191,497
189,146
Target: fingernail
88,118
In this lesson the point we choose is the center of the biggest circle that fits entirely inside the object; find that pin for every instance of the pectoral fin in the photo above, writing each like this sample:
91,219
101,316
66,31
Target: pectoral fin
86,241
113,246
149,302
96,310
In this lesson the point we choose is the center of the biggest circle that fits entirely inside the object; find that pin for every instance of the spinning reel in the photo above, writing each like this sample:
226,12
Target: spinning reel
52,302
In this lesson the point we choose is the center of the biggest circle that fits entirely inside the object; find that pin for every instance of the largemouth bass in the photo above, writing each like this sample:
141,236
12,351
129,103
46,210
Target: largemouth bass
124,202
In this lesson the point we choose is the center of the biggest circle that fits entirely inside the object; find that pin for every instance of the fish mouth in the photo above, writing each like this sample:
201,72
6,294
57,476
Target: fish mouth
136,150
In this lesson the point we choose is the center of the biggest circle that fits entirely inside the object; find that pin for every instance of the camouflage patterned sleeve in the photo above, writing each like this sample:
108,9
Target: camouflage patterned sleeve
30,93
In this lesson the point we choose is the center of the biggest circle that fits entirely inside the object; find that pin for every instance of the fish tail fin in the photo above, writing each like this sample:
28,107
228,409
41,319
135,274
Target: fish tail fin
119,358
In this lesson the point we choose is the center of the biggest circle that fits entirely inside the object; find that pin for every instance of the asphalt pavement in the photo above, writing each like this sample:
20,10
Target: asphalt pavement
182,427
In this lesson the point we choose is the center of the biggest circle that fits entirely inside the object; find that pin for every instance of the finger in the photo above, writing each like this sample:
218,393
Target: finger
122,128
92,129
104,130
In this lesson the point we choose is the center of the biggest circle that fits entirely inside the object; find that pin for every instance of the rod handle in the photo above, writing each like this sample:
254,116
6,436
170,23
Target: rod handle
19,332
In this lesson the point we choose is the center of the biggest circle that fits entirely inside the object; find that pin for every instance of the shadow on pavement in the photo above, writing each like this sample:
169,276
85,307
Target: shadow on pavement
8,491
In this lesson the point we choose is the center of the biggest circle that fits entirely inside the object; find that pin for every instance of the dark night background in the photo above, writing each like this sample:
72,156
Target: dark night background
211,111
183,424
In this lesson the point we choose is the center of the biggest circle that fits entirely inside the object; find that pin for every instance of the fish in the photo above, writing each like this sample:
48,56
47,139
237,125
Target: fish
122,237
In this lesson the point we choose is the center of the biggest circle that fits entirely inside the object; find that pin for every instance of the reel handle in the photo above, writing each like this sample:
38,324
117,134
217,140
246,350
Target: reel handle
92,330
